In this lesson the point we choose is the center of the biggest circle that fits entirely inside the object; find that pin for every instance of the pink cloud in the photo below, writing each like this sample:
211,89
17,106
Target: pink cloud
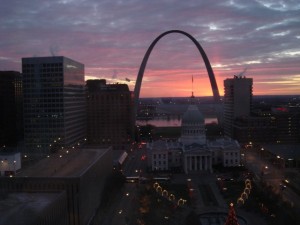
110,36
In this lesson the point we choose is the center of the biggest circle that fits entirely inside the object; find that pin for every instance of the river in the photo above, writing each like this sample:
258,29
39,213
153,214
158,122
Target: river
169,122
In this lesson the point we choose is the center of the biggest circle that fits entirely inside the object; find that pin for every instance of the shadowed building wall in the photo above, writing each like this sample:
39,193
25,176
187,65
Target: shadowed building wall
237,101
11,113
109,114
80,174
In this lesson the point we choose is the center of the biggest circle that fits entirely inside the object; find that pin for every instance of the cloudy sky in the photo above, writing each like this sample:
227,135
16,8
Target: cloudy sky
111,37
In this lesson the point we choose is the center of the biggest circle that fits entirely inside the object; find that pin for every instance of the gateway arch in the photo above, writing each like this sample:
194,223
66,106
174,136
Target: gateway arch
210,72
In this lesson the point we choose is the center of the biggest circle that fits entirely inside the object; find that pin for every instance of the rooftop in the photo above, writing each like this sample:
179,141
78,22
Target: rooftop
192,115
286,151
23,208
71,164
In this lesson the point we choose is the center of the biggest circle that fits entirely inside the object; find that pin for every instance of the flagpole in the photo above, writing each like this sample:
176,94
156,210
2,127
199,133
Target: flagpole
192,86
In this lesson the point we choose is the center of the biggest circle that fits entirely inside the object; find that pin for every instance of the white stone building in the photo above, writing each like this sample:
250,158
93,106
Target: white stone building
164,155
192,151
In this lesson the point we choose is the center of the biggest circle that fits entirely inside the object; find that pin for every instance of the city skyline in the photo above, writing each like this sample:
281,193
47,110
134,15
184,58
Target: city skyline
111,38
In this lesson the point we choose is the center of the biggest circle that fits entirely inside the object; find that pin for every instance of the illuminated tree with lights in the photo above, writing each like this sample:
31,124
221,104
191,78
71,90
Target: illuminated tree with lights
231,218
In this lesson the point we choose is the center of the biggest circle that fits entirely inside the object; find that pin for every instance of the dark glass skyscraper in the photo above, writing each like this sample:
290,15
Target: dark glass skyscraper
54,103
11,125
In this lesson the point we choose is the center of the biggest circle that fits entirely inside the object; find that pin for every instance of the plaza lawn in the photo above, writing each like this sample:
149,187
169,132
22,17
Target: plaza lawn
208,196
261,200
179,190
155,209
231,190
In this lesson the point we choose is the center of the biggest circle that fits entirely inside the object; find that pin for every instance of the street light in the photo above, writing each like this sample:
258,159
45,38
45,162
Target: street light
15,167
286,181
261,152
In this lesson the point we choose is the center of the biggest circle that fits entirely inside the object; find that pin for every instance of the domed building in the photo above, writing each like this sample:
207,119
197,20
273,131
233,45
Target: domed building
196,154
193,127
192,151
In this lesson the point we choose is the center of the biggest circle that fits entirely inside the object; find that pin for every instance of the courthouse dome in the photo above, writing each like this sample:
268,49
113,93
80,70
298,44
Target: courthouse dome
192,116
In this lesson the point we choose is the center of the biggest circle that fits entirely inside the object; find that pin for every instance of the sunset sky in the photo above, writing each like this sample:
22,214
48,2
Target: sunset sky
111,37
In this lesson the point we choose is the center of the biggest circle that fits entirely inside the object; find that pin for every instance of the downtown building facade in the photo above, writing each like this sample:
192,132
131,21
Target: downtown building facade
240,121
192,152
109,114
287,123
64,189
258,129
11,113
237,101
54,103
276,124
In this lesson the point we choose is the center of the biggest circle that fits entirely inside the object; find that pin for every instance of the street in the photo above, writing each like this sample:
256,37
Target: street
271,175
136,162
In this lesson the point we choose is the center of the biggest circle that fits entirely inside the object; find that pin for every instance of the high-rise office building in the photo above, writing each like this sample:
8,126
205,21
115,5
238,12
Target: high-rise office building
11,117
54,103
237,101
287,124
109,113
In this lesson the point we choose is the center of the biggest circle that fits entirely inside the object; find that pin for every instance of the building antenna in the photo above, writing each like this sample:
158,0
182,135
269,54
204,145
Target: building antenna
192,87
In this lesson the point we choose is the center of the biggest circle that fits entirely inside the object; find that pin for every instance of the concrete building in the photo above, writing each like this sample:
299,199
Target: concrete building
54,103
109,114
237,101
258,129
11,113
34,208
192,152
77,173
275,124
278,125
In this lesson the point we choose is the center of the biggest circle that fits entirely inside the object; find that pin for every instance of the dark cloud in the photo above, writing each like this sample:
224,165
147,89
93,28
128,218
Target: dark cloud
113,35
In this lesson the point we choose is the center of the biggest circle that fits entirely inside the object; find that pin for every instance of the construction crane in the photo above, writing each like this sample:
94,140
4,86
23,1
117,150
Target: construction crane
241,73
